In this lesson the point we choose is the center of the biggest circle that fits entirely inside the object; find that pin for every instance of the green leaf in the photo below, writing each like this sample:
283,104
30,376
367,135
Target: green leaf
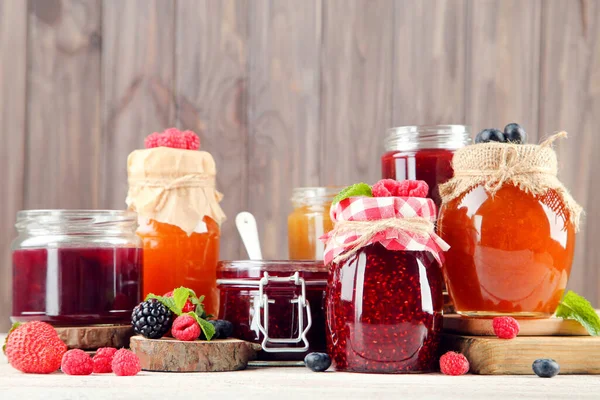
15,326
180,295
168,302
207,327
574,306
356,190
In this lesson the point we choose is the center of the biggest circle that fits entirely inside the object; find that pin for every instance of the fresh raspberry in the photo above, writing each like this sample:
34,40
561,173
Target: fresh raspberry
103,360
384,188
185,328
411,188
453,363
35,347
125,363
505,327
187,307
77,362
173,138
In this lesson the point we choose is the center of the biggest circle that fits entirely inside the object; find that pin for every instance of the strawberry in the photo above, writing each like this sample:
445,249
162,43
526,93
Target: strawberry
35,347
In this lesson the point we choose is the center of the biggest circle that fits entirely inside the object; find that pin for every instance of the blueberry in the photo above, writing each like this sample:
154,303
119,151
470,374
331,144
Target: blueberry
317,362
223,328
515,133
545,367
489,135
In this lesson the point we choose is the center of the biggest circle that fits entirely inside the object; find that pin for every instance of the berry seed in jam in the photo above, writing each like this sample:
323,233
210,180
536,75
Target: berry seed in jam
384,311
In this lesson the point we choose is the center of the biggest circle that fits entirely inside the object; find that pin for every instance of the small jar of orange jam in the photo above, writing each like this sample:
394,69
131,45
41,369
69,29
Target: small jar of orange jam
173,192
309,220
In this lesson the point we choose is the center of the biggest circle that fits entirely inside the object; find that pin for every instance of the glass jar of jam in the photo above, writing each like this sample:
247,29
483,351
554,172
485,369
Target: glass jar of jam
510,254
384,311
423,153
309,221
173,191
278,304
76,267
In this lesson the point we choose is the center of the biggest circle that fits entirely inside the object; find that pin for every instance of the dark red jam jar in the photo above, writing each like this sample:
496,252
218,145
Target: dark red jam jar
76,267
423,153
278,304
384,311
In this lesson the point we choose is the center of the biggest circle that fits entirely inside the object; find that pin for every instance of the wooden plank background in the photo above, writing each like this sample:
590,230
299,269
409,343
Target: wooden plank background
283,94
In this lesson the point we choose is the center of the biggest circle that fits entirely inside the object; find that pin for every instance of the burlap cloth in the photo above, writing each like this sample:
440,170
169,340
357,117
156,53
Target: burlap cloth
532,168
173,186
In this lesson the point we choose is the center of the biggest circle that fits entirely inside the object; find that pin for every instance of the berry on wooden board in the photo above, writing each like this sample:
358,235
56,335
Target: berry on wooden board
185,328
151,319
505,327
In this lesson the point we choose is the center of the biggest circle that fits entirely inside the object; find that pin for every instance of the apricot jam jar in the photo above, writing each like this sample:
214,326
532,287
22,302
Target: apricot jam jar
173,192
384,299
278,304
309,221
76,267
511,229
423,153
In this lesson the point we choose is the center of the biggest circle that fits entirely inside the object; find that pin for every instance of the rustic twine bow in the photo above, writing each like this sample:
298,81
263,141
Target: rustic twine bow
366,230
511,166
185,181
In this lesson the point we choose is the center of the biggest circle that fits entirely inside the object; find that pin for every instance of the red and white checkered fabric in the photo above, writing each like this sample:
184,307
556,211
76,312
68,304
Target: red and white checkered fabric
377,208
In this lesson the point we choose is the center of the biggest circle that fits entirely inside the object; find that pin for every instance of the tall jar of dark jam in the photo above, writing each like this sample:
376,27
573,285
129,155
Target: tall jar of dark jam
423,153
384,311
76,267
277,304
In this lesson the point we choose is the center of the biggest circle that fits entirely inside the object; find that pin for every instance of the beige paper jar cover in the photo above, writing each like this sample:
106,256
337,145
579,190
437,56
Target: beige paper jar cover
173,186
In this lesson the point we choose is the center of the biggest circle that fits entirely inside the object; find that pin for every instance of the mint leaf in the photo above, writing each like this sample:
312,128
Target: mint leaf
168,302
356,190
207,327
15,326
180,295
199,306
574,306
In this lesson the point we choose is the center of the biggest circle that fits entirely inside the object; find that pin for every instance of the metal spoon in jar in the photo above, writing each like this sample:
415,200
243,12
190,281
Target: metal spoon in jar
246,225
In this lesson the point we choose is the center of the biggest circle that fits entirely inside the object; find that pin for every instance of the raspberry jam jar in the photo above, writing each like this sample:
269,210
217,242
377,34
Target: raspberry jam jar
309,221
510,253
423,153
384,311
278,304
74,267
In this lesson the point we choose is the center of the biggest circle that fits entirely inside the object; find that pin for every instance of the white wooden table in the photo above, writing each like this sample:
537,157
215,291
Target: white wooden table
290,383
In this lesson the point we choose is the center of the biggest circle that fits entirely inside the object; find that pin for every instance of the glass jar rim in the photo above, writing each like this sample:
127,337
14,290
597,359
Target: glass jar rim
314,194
273,265
416,137
75,220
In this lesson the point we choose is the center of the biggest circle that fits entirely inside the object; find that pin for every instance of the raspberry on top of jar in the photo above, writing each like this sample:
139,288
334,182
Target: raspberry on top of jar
384,292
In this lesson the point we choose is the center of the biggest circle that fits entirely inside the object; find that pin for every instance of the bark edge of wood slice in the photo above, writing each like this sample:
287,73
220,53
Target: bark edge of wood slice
494,356
95,336
172,355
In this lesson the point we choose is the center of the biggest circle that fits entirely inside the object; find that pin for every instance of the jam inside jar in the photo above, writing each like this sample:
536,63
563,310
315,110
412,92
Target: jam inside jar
265,298
384,311
510,254
423,153
76,267
173,259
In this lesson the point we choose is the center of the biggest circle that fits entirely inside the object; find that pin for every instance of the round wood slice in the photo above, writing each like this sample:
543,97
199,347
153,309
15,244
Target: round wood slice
95,336
172,355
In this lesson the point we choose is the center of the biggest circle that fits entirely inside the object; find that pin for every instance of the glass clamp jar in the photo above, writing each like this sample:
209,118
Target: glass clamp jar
262,301
76,267
423,153
278,304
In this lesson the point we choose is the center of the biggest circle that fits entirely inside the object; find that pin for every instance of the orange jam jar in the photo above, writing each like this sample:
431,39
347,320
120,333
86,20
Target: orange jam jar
511,229
309,221
173,192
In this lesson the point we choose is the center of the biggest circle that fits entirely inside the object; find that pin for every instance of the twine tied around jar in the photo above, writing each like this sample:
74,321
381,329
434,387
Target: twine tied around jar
367,230
531,168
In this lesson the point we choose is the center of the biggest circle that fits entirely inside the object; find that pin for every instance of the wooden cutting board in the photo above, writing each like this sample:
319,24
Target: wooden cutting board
95,336
455,323
493,356
172,355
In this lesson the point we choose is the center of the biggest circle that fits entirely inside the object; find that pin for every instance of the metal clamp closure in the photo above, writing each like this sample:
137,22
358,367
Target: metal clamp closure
263,323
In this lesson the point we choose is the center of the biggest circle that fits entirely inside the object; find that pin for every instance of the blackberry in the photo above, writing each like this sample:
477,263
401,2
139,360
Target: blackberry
151,319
